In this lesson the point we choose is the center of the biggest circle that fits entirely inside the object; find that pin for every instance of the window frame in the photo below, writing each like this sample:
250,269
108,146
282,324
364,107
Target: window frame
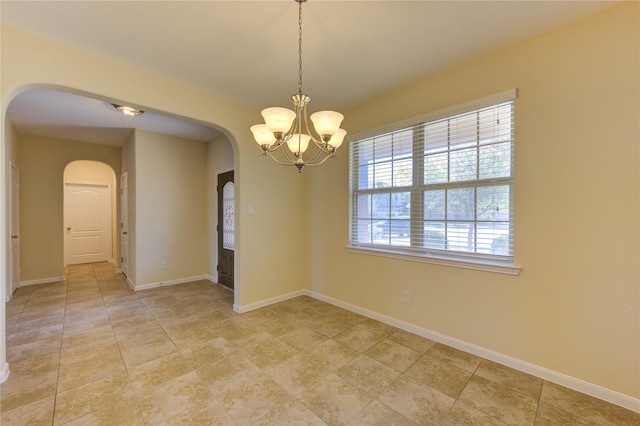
415,250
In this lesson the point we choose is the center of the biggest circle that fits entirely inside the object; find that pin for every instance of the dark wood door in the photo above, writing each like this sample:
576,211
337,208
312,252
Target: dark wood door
226,228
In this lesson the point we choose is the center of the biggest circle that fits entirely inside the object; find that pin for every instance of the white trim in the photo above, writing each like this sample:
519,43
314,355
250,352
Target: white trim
270,301
5,373
131,283
213,278
118,270
479,265
593,390
9,286
41,281
166,283
87,183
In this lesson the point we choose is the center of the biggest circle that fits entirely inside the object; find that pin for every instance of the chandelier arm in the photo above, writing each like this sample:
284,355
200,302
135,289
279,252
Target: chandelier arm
317,141
276,145
282,163
313,163
285,152
292,130
319,154
280,145
288,155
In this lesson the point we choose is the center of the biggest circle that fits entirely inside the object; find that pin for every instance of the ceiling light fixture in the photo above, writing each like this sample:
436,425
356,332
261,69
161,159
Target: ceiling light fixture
127,110
288,131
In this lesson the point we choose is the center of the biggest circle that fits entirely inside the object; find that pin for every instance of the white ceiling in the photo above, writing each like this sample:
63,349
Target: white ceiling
246,51
68,116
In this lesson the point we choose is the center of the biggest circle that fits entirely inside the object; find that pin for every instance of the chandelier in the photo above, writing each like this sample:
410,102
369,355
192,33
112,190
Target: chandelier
288,132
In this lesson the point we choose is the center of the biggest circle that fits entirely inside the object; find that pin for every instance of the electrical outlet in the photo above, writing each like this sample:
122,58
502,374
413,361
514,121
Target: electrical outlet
274,277
163,264
407,297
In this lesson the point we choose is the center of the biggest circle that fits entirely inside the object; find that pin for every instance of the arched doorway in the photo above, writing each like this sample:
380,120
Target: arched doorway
89,213
44,261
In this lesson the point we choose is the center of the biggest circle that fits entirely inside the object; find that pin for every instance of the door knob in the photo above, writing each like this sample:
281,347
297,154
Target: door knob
125,233
68,228
14,237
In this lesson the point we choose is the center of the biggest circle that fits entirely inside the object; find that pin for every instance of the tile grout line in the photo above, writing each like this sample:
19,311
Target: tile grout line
302,314
55,393
119,348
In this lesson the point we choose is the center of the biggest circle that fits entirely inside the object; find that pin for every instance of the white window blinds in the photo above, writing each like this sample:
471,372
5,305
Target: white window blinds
439,187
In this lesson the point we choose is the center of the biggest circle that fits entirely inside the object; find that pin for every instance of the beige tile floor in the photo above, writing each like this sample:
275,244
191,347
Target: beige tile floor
88,350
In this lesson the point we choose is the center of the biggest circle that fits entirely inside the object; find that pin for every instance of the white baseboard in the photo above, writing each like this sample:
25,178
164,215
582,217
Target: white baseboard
41,281
213,279
137,287
271,301
131,283
596,391
4,375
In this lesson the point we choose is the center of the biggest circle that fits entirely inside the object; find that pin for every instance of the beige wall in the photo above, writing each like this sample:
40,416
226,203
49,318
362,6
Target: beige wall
42,165
29,62
219,159
574,308
170,208
277,226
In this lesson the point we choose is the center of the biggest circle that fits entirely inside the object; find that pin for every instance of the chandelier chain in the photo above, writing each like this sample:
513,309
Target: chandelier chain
299,46
288,131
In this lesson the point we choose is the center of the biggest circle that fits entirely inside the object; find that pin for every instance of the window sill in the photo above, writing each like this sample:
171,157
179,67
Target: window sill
443,260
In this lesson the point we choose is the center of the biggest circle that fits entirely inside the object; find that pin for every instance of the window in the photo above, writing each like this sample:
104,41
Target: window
439,188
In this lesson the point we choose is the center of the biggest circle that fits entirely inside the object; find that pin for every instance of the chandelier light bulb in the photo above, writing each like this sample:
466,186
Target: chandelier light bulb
128,111
298,143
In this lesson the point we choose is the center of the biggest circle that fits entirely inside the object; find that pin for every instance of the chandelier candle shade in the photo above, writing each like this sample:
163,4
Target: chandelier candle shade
288,130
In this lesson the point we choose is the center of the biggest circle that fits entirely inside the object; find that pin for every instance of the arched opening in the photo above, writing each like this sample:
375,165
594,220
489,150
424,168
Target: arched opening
87,135
44,160
90,213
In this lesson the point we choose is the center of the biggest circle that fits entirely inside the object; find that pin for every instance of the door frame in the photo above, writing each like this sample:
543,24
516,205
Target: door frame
14,229
220,247
124,223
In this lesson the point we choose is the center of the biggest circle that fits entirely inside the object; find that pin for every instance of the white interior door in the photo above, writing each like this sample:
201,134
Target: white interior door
124,224
14,223
87,221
